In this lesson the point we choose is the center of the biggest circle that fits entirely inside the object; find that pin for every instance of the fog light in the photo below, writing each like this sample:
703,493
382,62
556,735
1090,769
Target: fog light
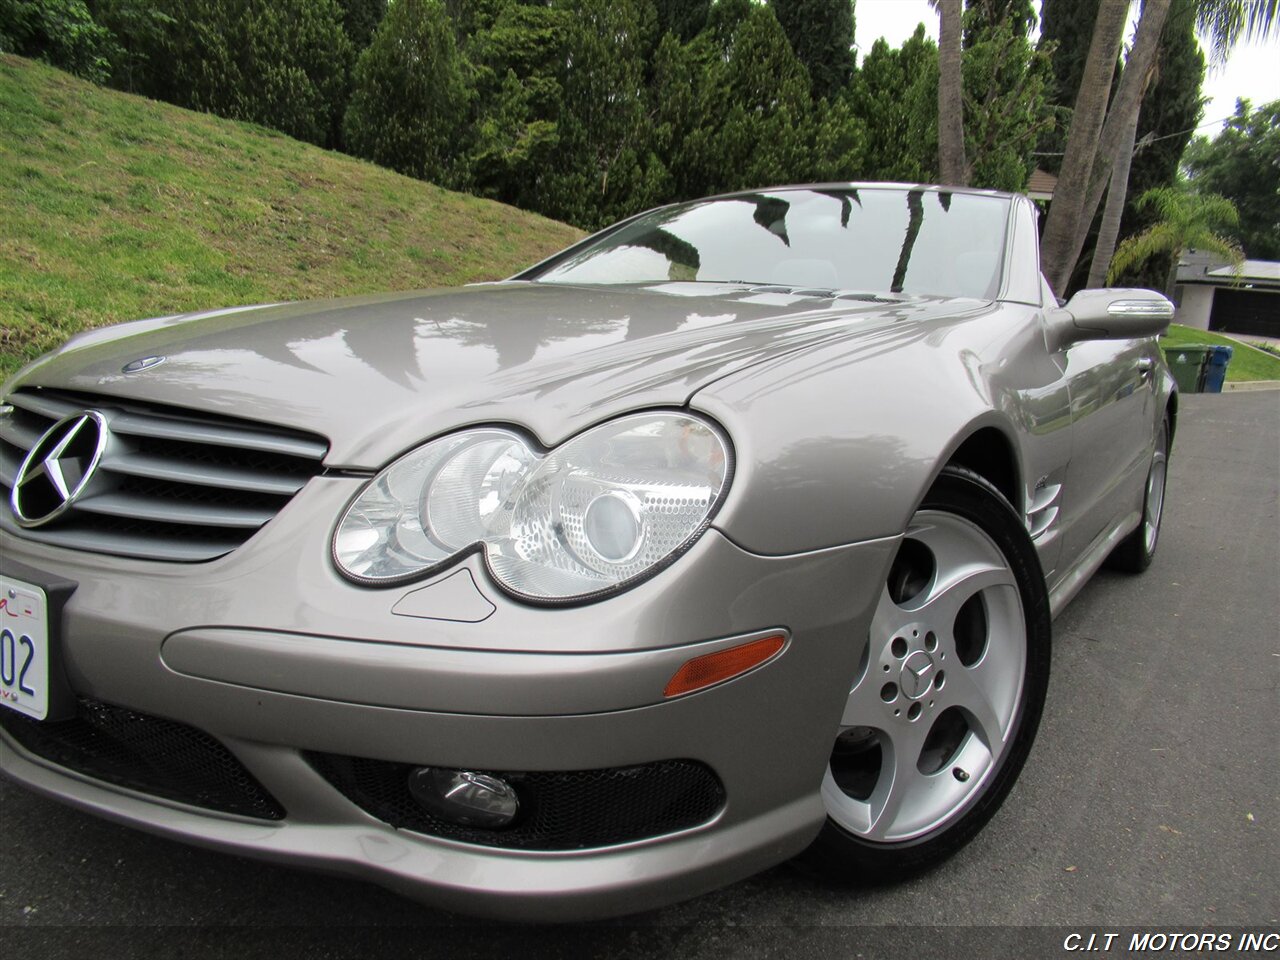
464,796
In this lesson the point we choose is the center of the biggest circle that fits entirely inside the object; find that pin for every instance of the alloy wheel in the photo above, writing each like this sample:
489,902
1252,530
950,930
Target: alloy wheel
933,709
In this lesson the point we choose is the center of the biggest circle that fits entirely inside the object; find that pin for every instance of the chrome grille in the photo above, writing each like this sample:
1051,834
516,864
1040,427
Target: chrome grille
171,484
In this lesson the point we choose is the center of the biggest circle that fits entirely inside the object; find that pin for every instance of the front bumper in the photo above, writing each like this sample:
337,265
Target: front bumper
272,653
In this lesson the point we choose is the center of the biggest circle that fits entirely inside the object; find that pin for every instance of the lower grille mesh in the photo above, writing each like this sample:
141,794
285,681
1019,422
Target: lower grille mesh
558,810
149,754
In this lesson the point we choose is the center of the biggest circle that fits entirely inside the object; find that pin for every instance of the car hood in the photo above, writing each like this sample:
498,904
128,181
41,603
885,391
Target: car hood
376,375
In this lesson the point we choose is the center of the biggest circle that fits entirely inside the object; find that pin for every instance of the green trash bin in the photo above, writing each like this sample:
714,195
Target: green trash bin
1188,363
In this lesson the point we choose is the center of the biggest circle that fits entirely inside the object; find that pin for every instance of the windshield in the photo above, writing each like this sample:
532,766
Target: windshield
873,240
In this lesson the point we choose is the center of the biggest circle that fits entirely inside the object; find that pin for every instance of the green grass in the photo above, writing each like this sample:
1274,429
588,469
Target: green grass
114,207
1247,363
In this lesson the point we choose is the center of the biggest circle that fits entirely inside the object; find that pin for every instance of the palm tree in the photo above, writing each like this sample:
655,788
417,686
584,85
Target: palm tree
1225,22
1109,230
1187,221
1115,147
1082,143
952,165
1088,163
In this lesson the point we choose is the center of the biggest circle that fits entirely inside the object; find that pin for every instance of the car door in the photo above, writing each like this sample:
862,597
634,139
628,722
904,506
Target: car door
1112,389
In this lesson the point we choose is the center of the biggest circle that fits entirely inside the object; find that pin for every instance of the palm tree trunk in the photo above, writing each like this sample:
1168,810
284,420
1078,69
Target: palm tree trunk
1117,192
1082,144
1122,119
953,167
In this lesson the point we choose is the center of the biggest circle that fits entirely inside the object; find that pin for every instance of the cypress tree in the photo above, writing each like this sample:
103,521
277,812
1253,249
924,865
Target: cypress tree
735,107
1005,85
282,63
298,68
410,98
603,167
684,18
360,18
896,93
821,34
517,60
139,28
1068,26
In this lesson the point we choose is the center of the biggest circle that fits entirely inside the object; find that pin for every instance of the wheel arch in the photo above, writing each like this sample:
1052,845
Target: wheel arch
989,452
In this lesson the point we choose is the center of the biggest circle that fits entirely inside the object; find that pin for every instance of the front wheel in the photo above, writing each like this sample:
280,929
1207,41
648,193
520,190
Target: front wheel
941,716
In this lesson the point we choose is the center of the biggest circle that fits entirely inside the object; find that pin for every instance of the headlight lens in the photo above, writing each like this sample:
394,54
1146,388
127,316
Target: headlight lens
601,511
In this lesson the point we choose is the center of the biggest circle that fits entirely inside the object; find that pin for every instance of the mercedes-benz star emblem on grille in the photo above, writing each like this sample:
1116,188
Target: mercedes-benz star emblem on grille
58,469
142,363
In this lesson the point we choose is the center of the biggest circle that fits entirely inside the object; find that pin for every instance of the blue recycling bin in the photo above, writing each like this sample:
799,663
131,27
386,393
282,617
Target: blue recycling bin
1215,369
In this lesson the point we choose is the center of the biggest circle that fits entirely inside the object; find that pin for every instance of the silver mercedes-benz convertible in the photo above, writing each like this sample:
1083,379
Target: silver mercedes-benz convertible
730,534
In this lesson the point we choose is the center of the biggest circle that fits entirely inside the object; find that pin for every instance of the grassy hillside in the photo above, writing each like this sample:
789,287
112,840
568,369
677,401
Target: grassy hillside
113,207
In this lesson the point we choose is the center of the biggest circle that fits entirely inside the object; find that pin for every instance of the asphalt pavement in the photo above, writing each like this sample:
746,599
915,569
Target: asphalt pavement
1151,798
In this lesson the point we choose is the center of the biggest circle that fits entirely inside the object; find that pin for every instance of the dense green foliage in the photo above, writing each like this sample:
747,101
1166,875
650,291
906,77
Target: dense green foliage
589,110
896,93
139,29
360,18
115,208
1066,29
602,166
684,18
1241,163
282,63
60,32
410,95
516,54
821,35
1006,88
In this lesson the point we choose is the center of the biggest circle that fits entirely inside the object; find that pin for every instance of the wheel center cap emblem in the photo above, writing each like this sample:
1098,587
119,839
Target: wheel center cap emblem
917,675
58,469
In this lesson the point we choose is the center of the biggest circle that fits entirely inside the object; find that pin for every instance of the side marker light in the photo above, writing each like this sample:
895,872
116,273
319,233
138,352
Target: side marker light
723,665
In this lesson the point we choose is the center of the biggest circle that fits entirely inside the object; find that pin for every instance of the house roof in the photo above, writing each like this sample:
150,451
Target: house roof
1197,266
1250,270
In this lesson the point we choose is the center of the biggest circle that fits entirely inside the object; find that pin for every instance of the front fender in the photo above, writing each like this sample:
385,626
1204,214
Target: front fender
838,446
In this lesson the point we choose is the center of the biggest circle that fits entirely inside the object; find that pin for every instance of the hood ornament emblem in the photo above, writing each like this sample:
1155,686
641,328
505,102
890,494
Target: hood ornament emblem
58,469
142,363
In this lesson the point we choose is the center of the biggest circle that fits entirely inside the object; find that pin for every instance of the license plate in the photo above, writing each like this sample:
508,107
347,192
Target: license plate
24,648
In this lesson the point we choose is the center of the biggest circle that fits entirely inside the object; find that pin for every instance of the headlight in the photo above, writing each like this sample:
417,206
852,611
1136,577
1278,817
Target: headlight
601,511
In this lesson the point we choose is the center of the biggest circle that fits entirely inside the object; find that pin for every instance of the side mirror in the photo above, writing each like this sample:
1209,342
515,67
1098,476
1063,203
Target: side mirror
1120,314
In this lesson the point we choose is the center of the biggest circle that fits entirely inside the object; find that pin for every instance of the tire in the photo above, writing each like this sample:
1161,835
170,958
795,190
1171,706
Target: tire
1135,552
942,714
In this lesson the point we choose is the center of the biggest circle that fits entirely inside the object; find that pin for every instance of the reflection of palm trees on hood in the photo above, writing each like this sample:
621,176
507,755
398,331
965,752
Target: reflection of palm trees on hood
374,340
518,341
